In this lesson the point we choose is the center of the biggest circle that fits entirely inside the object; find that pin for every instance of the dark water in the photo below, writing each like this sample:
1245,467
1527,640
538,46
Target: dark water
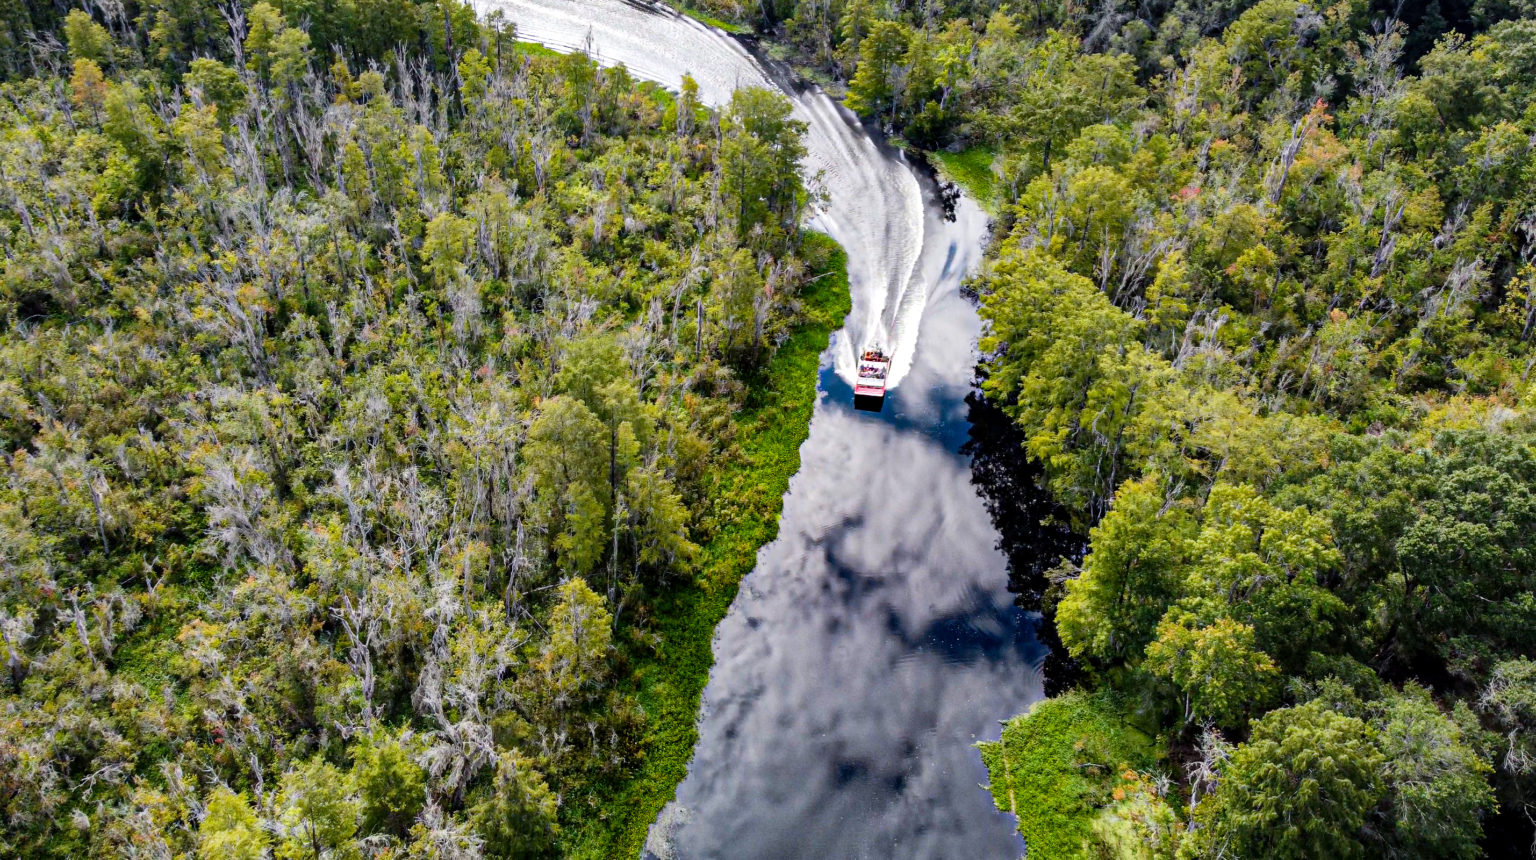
1033,531
877,640
873,645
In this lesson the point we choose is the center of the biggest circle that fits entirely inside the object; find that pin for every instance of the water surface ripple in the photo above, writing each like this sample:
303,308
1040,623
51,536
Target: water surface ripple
876,640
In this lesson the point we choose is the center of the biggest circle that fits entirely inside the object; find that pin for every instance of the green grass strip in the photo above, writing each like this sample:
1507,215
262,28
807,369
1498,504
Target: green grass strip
717,23
747,498
534,49
971,169
1057,764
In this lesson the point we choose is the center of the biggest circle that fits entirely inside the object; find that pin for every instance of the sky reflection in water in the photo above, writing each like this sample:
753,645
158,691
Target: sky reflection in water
875,641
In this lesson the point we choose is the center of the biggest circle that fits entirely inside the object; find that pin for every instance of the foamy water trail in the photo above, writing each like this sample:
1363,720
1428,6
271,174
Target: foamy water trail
874,205
874,641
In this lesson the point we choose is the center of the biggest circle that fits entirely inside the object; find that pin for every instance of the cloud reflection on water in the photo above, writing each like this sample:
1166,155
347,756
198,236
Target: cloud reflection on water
875,641
872,645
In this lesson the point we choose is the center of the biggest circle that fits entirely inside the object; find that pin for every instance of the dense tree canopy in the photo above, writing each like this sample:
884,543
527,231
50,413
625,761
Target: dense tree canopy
357,403
362,375
1259,299
1303,786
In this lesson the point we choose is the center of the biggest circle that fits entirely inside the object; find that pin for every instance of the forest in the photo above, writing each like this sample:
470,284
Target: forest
374,395
1259,299
389,407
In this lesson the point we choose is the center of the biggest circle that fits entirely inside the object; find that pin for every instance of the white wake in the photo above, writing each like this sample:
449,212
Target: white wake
874,205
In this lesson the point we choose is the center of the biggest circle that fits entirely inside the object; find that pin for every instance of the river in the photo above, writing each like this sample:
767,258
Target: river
876,640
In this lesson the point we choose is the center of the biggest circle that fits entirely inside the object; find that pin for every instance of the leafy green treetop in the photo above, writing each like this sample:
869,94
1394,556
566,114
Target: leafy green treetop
1304,786
231,830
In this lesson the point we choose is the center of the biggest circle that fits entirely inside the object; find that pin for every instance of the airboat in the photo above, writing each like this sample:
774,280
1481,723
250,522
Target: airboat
869,390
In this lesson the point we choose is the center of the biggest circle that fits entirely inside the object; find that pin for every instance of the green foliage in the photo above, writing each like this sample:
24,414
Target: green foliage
390,785
971,169
1130,579
1436,537
1216,668
230,829
1303,786
1264,565
218,84
876,85
1438,777
759,164
318,812
170,35
328,393
1139,825
1508,702
747,494
517,819
1069,368
718,23
266,25
1259,307
1060,764
565,456
1060,91
580,633
87,40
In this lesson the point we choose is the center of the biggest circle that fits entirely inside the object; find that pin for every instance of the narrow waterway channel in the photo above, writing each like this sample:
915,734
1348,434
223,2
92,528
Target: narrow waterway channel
876,640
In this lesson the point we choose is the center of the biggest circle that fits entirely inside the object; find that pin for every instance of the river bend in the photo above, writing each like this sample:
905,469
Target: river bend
876,640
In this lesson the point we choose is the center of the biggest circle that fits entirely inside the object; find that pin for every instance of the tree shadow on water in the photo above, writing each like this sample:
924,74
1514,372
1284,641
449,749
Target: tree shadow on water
1034,532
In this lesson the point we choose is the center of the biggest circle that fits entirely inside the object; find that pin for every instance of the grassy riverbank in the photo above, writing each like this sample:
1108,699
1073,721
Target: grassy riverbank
718,23
971,169
1069,769
748,496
